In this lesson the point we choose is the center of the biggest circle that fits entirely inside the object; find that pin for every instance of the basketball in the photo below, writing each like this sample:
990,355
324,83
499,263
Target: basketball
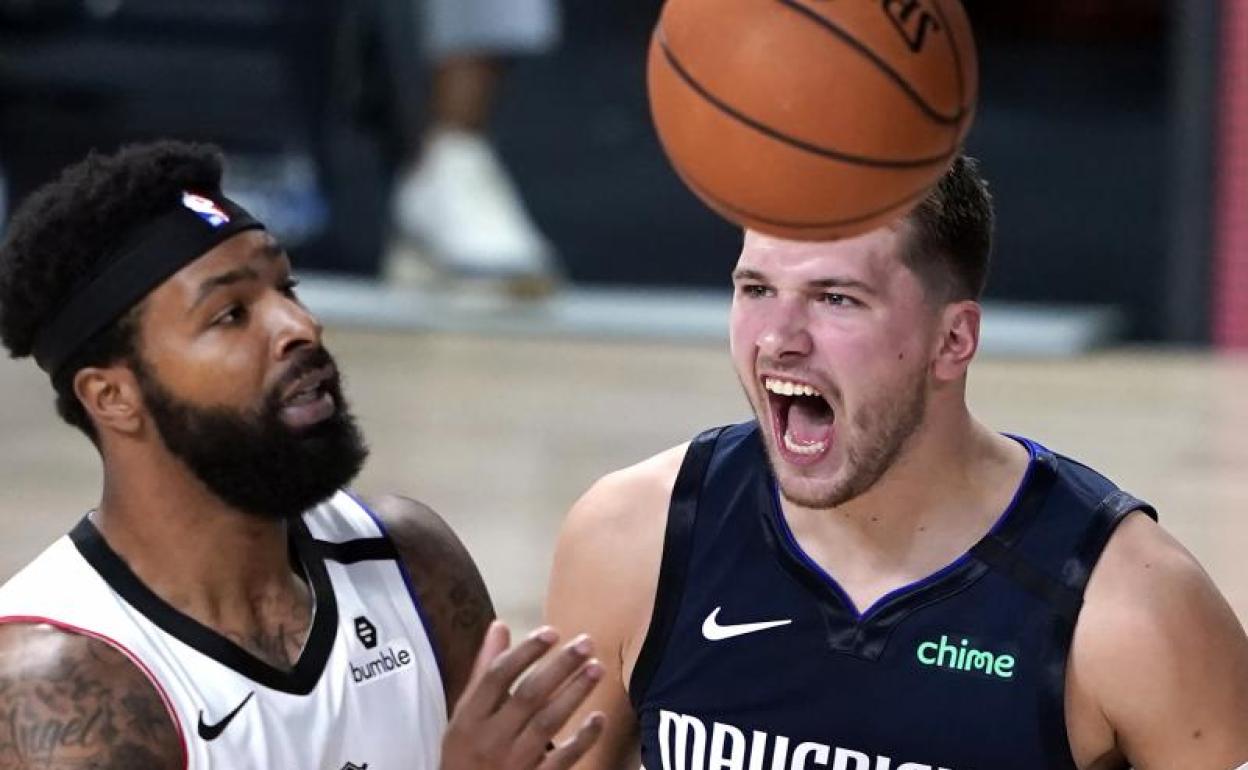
812,119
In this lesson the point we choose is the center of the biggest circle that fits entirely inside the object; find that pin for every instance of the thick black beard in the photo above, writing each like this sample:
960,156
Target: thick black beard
252,460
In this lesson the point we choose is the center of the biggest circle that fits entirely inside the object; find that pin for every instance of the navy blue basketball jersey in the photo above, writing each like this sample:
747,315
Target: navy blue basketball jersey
757,660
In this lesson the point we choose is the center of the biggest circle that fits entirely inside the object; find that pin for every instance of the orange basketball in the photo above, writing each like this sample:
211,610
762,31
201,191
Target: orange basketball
812,119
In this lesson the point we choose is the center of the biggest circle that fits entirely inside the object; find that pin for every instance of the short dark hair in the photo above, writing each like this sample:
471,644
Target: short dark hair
66,231
950,240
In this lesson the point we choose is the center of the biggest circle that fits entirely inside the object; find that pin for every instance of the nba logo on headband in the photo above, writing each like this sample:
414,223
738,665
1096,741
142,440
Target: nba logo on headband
207,209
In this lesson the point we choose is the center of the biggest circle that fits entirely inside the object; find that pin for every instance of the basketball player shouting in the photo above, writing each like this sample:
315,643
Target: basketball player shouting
866,578
228,605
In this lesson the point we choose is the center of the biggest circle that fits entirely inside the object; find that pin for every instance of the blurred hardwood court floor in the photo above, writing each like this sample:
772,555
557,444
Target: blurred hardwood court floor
501,436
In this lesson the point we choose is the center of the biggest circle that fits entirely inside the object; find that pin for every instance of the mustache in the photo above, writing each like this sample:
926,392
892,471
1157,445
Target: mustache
304,363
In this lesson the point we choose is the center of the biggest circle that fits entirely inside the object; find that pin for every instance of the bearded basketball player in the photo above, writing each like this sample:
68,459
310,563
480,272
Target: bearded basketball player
865,577
227,603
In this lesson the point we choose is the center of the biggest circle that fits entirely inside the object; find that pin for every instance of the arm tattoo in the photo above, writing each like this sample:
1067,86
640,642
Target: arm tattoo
470,605
448,584
78,705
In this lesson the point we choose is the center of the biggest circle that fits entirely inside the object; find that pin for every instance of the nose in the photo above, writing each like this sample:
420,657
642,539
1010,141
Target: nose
294,327
785,333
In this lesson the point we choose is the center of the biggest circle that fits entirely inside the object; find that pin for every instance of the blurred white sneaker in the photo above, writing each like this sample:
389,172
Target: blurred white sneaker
461,212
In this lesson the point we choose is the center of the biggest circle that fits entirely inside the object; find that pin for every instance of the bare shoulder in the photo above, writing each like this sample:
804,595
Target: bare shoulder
636,496
603,582
611,544
1161,654
447,582
70,702
1146,579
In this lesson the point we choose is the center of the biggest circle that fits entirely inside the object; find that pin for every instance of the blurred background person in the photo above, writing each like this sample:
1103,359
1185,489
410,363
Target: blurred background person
454,201
344,122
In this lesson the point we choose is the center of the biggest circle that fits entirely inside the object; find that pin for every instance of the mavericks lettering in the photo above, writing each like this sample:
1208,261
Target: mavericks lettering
685,743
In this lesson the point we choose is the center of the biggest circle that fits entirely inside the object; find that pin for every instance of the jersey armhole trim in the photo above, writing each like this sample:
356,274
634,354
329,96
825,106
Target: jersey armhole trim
130,656
1110,513
1106,517
674,565
355,551
411,592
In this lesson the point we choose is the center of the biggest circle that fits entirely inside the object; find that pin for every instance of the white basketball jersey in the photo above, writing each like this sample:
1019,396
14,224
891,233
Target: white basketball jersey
366,691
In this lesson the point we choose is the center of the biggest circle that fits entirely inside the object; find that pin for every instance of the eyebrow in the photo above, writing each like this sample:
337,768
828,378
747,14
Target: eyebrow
830,282
746,274
268,250
272,249
221,281
837,282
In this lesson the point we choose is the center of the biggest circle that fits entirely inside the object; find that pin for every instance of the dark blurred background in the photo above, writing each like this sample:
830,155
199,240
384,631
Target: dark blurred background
1095,129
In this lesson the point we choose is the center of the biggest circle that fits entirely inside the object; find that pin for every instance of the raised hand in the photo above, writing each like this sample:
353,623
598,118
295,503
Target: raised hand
497,727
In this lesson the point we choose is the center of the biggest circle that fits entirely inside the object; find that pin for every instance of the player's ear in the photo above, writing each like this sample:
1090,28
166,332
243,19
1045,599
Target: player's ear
111,397
958,341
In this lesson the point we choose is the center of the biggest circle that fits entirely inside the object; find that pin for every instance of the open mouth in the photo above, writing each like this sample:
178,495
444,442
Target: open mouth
310,387
802,418
310,392
311,399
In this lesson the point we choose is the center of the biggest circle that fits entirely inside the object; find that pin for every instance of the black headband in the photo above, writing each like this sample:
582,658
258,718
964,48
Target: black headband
156,250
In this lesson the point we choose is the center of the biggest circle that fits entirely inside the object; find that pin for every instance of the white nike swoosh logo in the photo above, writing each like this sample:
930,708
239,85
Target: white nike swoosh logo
714,632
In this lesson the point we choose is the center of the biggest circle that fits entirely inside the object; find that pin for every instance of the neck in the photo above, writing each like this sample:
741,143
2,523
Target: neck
950,483
209,560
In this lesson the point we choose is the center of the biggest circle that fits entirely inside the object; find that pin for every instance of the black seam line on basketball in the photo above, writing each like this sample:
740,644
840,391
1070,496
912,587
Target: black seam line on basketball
967,109
779,137
929,110
957,57
804,225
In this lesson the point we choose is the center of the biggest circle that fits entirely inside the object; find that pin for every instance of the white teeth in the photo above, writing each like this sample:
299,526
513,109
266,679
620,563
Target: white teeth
304,395
803,449
789,388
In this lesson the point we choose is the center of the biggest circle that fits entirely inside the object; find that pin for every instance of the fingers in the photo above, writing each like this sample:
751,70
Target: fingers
497,638
555,715
497,667
551,707
534,692
495,727
572,750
